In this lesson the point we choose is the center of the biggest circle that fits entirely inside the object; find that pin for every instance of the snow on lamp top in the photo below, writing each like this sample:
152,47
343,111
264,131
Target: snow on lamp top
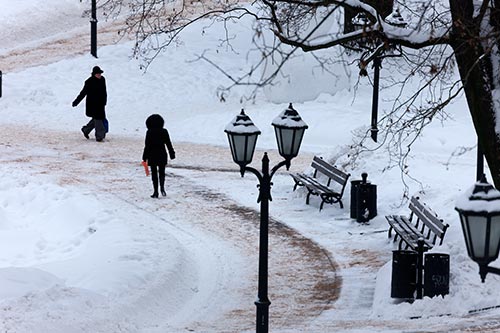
361,19
483,197
289,118
242,124
396,19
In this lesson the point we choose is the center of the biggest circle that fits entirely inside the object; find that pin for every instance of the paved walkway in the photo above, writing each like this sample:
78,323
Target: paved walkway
311,289
304,281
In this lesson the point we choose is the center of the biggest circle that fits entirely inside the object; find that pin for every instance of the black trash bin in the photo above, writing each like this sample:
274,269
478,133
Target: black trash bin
436,274
354,197
363,199
404,274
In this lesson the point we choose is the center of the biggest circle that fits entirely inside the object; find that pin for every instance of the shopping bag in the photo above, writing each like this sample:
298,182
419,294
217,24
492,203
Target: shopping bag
106,125
146,169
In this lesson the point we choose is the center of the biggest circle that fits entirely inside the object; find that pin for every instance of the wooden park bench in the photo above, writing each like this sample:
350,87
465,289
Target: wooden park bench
418,232
422,224
323,169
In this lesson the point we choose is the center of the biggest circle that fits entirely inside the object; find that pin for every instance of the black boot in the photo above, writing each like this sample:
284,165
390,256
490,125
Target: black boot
154,178
85,134
155,189
162,181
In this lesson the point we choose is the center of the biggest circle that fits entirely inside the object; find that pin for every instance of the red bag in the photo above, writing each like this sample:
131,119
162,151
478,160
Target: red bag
146,169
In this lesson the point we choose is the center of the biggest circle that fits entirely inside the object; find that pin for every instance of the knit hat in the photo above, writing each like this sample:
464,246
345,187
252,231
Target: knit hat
97,70
155,121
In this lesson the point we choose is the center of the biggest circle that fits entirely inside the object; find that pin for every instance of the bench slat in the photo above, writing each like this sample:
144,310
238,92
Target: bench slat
426,211
403,227
329,167
313,185
329,174
320,187
300,177
430,220
329,170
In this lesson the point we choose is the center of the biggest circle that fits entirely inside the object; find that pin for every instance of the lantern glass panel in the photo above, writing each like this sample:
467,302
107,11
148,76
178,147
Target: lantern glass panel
243,147
477,230
250,147
234,151
289,140
285,138
239,147
465,228
230,137
299,134
494,237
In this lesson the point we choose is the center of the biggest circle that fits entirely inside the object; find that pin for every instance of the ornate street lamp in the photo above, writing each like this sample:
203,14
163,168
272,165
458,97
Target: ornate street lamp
480,217
242,135
289,129
361,21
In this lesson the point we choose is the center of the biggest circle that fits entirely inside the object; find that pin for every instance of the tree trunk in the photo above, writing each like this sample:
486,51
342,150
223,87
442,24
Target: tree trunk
476,74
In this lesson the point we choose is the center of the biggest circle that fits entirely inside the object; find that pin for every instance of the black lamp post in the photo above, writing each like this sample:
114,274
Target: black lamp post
359,22
93,29
377,63
242,134
480,162
480,217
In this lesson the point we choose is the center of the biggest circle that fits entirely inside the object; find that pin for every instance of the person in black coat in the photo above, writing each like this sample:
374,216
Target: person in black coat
155,153
94,90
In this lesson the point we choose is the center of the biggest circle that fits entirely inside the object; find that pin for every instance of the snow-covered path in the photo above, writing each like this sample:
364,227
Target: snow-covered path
212,283
57,47
195,251
40,35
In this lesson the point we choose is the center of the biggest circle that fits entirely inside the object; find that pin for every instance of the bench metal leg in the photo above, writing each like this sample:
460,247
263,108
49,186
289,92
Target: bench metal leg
307,198
341,204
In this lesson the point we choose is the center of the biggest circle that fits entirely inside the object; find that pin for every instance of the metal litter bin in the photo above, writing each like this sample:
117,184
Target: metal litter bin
404,274
354,197
436,274
363,199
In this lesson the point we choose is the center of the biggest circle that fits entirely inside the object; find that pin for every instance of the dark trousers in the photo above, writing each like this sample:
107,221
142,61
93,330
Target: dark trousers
98,125
155,171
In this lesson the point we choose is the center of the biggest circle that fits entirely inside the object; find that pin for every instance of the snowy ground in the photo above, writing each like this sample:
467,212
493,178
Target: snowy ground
84,249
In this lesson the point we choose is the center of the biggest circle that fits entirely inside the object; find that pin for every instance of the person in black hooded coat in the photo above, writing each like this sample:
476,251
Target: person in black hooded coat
96,95
155,153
